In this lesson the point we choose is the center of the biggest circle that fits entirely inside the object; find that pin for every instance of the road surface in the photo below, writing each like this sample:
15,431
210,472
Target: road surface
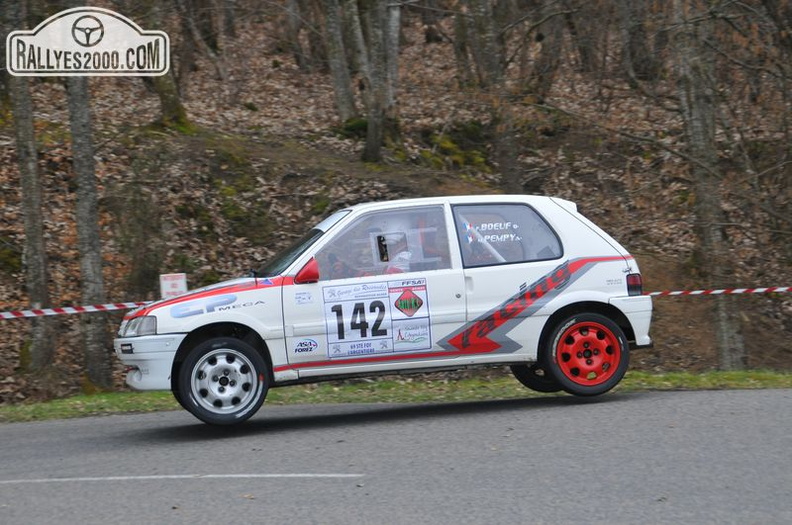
655,457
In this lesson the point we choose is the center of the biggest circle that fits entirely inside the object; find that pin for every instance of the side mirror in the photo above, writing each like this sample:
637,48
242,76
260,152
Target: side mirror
309,273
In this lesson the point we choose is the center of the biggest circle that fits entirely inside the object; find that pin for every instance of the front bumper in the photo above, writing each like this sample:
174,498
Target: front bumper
149,358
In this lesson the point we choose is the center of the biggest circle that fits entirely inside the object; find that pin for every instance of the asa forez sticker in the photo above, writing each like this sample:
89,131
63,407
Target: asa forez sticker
377,318
305,346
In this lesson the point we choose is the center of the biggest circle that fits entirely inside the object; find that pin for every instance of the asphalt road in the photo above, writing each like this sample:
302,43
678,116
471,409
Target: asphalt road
660,457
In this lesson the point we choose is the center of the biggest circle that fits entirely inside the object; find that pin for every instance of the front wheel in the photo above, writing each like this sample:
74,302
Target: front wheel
223,381
587,354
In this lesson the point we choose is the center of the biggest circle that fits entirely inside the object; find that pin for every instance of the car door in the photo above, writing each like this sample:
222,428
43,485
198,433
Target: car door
388,290
510,256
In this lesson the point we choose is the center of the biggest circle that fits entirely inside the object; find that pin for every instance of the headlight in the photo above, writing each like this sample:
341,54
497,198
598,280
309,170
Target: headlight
146,325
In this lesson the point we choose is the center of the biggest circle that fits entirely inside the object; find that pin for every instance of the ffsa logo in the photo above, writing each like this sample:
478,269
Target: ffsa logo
87,41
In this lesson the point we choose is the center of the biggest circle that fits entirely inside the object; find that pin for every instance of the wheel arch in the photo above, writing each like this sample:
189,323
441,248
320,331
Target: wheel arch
594,307
224,329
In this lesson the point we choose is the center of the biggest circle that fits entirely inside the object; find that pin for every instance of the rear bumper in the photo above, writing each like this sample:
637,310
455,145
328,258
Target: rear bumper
638,310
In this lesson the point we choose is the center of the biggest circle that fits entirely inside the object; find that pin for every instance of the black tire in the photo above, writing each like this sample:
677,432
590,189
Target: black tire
536,378
223,381
177,396
587,354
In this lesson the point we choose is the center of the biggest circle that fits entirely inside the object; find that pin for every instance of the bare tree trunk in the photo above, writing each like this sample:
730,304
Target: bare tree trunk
339,69
204,12
487,52
375,17
187,61
199,27
42,348
352,20
393,25
35,255
313,12
551,38
490,64
392,133
229,18
172,112
294,25
97,356
583,28
638,61
462,50
695,83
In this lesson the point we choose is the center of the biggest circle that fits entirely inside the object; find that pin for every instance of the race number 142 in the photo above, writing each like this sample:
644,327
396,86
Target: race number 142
358,320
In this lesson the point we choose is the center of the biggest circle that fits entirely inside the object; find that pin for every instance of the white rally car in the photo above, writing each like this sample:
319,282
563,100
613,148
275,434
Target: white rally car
412,285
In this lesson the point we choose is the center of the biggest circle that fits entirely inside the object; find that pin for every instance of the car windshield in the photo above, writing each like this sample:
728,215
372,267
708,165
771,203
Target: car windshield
278,264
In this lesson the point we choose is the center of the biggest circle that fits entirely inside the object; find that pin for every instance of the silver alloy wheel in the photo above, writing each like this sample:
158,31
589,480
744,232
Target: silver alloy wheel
224,380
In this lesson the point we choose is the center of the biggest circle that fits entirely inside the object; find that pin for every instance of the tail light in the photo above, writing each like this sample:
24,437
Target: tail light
634,284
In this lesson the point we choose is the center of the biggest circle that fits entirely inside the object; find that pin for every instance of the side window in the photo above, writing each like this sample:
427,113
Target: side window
387,242
503,234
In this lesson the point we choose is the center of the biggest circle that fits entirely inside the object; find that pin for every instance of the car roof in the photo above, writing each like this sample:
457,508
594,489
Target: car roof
462,199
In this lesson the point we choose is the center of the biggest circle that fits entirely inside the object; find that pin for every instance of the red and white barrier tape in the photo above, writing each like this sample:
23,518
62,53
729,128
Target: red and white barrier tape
66,310
726,291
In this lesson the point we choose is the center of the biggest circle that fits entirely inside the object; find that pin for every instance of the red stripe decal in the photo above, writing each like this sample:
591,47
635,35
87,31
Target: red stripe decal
475,338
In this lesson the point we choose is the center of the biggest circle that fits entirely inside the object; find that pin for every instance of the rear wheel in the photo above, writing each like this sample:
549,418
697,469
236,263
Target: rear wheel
223,381
536,378
587,354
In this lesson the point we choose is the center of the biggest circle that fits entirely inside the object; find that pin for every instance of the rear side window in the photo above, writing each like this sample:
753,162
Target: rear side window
491,234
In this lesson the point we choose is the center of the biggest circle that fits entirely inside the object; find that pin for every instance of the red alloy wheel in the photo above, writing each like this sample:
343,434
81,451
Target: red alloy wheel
588,353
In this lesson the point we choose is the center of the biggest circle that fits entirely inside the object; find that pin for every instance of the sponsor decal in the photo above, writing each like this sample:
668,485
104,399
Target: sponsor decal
411,334
492,232
470,232
377,318
305,346
87,41
506,237
408,303
301,298
217,303
208,306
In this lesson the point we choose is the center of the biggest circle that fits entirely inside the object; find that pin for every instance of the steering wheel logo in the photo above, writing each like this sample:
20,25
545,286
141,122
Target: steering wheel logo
87,31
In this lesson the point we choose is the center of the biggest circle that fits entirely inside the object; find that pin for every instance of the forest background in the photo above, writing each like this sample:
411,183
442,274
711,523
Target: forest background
668,122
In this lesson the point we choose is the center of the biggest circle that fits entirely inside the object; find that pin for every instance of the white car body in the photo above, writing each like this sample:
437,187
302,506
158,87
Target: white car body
489,280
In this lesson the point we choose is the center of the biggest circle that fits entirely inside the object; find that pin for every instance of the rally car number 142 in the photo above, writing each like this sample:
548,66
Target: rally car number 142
403,286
